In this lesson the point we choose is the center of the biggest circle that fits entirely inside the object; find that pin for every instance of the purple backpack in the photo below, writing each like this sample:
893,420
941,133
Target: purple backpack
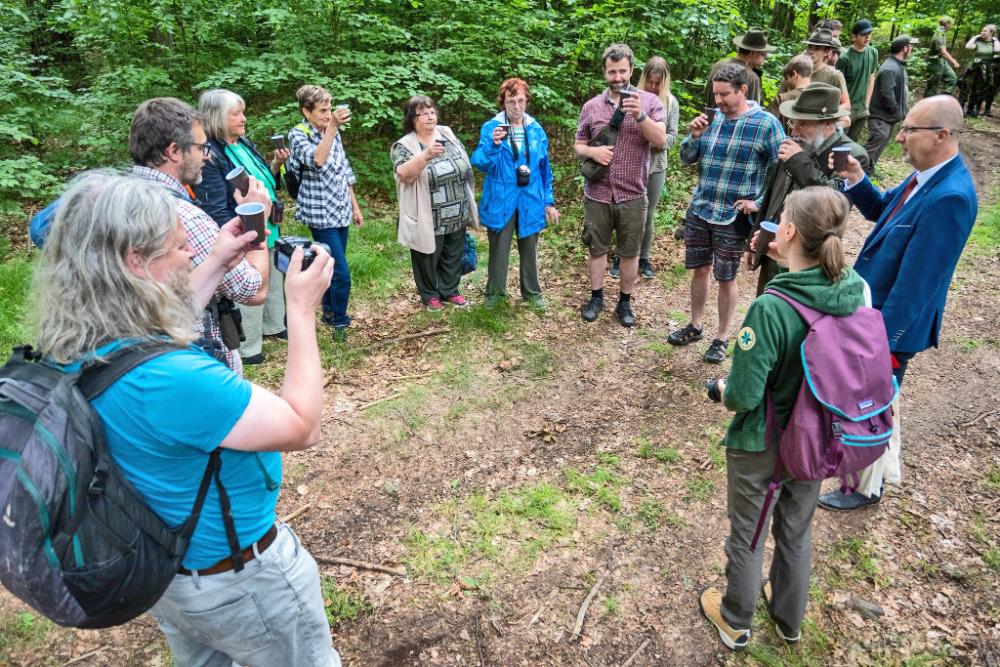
841,421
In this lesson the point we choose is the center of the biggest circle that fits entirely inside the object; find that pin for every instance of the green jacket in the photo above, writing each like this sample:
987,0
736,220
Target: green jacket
768,350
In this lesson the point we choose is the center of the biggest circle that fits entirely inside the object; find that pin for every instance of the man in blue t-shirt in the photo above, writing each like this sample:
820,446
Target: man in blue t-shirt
165,416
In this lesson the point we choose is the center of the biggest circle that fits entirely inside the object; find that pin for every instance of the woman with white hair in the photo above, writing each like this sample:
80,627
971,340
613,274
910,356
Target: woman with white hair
224,118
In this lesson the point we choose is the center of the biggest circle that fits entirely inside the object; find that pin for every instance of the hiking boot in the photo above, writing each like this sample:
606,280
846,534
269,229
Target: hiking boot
254,360
458,301
615,270
593,308
716,352
536,302
623,311
688,334
646,269
495,300
281,335
840,502
710,603
765,590
679,232
433,304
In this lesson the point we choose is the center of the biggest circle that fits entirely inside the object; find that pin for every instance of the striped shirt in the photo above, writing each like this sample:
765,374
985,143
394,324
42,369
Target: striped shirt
324,201
240,284
734,157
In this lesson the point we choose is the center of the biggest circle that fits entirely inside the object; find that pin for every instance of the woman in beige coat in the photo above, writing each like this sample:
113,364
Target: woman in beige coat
434,182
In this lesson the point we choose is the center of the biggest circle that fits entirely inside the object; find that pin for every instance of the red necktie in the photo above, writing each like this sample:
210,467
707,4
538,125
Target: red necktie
912,183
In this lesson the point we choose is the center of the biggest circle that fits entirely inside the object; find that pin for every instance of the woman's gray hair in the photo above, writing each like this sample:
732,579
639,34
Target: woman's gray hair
84,293
214,105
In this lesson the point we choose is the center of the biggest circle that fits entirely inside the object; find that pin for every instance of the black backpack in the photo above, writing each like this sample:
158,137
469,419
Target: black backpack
77,542
293,176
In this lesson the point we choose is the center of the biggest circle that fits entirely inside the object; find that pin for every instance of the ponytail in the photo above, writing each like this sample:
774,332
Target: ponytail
820,218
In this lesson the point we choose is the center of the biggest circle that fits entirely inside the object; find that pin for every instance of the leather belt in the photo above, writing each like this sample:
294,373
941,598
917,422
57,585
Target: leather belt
226,564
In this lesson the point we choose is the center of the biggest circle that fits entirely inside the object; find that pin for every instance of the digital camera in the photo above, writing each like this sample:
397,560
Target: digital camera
286,245
523,175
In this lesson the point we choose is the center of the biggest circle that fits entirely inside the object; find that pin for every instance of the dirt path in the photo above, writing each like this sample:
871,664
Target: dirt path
512,473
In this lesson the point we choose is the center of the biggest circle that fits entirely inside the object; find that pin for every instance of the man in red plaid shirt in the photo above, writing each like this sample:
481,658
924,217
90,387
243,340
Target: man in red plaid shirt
617,202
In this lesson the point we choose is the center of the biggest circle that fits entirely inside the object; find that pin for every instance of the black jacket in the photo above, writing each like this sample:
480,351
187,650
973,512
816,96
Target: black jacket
889,101
215,193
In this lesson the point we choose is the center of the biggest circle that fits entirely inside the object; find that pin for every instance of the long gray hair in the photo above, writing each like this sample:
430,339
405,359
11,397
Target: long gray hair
214,106
84,294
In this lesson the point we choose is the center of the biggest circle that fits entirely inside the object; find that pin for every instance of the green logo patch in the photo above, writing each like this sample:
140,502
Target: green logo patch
746,339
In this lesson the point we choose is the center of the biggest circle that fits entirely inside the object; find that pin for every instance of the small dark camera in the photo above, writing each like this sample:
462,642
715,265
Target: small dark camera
286,245
623,94
277,211
713,390
523,175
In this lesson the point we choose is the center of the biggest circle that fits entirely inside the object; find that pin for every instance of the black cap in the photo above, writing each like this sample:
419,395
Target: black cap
862,27
901,43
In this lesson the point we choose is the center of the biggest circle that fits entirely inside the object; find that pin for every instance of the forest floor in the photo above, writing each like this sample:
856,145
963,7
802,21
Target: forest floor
510,461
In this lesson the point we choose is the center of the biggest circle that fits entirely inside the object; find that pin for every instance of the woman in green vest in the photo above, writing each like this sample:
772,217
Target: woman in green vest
978,76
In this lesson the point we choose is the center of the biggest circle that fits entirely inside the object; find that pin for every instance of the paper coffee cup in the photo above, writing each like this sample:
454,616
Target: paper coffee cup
238,177
278,142
710,112
840,154
252,216
769,226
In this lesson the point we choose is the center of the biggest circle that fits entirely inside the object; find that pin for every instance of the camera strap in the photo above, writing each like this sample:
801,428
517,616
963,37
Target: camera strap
513,144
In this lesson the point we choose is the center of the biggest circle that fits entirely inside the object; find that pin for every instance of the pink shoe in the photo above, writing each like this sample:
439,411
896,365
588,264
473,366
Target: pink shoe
458,301
433,304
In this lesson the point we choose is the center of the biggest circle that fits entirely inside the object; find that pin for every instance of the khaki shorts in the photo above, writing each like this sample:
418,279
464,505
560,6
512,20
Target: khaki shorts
626,219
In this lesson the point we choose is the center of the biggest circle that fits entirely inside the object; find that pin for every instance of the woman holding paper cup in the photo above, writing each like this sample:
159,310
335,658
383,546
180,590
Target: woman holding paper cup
235,163
326,201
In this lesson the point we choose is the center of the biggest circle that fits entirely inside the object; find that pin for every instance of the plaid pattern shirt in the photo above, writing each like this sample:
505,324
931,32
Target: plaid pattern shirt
629,170
324,201
735,156
239,284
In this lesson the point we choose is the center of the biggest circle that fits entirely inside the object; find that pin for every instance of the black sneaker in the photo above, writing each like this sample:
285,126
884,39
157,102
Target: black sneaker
679,232
646,269
716,352
615,270
593,308
281,335
688,334
254,360
623,311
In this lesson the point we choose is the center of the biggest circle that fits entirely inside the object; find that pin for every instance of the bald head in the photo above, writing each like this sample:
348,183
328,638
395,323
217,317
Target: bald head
940,110
929,134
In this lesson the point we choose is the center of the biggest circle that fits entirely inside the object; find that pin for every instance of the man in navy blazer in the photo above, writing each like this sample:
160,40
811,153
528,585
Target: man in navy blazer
908,260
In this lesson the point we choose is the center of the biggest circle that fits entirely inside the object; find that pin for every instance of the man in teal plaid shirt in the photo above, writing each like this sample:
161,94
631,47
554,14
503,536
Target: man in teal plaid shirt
733,151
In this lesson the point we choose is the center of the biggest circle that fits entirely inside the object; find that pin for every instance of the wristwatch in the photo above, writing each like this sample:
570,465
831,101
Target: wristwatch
642,117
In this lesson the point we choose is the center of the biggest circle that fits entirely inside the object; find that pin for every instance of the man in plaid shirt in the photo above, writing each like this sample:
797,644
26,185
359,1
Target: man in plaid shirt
734,151
169,146
617,203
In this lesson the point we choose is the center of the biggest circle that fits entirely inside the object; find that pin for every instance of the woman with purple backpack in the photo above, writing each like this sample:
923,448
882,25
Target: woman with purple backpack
767,363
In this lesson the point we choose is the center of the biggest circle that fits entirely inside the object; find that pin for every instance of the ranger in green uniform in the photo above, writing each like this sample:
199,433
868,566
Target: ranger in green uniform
767,361
941,64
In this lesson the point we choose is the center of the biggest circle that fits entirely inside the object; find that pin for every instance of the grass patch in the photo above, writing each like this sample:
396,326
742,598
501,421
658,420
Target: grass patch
342,604
699,489
478,534
986,231
673,276
23,630
602,484
667,455
539,361
859,559
992,559
651,513
992,478
15,283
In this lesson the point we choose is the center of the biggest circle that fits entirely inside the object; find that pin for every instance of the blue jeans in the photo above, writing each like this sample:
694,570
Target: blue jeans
270,613
339,293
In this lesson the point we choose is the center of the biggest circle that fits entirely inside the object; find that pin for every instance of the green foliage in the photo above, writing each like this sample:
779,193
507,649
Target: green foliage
15,281
22,630
342,604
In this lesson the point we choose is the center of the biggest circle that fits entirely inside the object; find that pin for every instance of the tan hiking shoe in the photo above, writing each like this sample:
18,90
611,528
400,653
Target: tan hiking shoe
710,602
765,589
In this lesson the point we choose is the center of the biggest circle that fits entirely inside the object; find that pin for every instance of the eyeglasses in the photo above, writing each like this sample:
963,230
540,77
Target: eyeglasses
907,129
206,149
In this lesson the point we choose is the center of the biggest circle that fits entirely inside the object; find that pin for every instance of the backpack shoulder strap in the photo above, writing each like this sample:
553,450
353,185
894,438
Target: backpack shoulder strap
304,129
97,377
810,315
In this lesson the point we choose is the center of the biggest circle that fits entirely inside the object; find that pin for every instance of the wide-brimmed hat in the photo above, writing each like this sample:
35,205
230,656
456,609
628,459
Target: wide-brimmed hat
817,101
822,37
755,39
